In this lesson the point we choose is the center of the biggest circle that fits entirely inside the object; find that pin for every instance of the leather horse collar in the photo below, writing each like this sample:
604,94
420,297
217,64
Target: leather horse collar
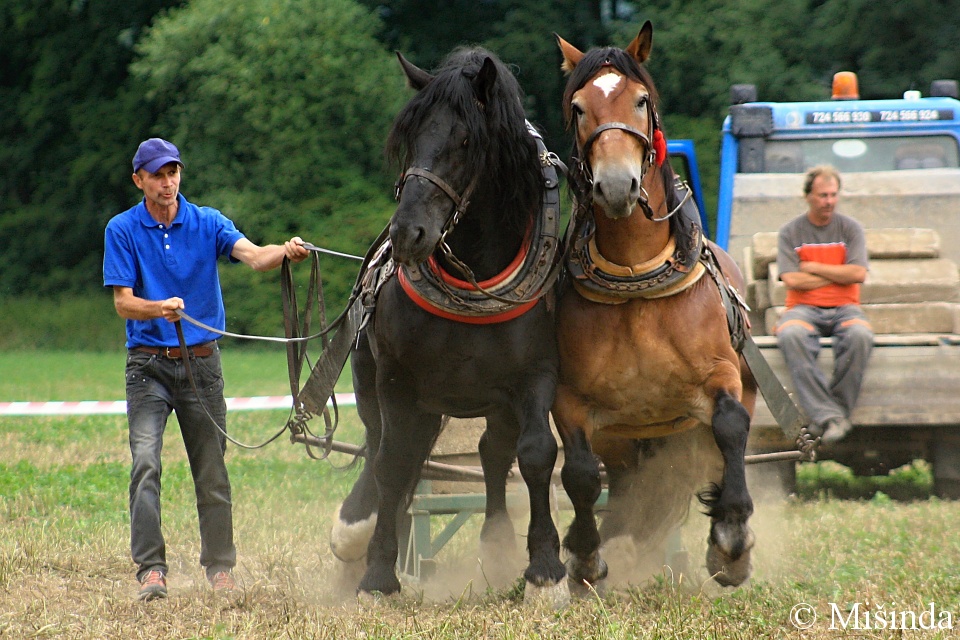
677,267
511,293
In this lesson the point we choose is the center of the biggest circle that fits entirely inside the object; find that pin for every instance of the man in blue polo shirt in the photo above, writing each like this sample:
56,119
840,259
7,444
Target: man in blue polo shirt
159,257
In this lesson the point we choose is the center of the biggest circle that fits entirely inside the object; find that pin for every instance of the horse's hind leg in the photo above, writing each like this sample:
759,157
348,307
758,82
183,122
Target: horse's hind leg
620,457
729,504
498,544
355,519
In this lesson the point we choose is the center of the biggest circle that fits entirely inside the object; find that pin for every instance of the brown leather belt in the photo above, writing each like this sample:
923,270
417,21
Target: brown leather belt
197,351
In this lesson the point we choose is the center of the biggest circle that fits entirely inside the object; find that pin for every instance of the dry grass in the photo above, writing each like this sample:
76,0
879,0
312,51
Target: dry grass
58,586
65,570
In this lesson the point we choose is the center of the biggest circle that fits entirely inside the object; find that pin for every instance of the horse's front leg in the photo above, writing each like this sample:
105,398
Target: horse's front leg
356,517
729,505
408,435
581,481
537,455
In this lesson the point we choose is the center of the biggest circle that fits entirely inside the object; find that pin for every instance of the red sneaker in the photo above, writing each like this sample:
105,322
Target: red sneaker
223,582
153,585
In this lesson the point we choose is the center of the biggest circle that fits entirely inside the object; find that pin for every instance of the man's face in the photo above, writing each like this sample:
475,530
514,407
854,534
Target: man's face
160,188
822,199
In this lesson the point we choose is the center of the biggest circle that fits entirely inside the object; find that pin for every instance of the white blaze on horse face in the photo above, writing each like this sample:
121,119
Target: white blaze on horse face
607,83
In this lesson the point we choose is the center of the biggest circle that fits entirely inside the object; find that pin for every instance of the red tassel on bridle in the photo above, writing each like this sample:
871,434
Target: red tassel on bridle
659,146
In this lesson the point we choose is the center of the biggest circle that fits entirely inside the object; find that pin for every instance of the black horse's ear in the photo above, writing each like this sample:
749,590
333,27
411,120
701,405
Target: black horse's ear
485,81
417,78
640,48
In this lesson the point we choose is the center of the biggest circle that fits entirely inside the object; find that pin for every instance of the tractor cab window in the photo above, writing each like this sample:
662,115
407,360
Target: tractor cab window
861,154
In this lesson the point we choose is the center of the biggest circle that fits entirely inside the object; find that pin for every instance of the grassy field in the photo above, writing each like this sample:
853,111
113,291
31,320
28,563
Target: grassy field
65,570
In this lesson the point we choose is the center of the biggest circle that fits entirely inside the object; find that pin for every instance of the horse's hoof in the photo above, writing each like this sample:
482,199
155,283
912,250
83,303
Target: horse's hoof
380,578
731,539
500,561
727,572
553,597
592,570
582,590
348,576
348,541
367,600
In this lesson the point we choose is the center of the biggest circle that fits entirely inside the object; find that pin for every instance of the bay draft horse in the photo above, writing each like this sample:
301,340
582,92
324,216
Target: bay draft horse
468,200
651,381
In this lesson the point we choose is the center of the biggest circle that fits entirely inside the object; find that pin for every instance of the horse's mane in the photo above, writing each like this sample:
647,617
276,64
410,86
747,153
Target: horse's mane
503,149
620,60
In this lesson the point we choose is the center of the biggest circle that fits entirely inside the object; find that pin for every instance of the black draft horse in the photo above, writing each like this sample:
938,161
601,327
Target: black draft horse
469,203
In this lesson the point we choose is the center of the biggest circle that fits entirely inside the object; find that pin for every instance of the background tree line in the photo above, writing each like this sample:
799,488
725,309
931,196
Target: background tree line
281,108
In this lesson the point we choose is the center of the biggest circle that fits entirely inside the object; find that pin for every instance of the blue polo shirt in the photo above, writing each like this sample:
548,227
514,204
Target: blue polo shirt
159,262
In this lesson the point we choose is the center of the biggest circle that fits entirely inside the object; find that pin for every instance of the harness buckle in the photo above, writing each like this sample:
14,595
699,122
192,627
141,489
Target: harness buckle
398,186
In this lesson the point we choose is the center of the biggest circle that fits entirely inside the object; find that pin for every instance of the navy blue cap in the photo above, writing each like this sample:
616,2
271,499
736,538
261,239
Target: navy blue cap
154,153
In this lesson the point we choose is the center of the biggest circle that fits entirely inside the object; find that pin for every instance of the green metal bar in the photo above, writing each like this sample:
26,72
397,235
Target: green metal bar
448,532
421,541
421,545
447,503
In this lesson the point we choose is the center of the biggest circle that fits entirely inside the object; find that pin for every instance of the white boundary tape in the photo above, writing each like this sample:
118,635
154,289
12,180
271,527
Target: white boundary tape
97,407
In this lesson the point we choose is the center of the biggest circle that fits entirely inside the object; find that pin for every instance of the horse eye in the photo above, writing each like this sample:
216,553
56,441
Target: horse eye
642,102
576,110
465,141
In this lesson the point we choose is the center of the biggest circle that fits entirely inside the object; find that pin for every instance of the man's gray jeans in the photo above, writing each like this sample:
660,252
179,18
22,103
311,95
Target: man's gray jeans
798,336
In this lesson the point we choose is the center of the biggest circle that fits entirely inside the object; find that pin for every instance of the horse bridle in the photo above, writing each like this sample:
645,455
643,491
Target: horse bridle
585,171
461,202
621,126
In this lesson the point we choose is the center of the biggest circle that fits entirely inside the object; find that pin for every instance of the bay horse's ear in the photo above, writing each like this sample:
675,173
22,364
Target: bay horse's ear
639,49
417,78
485,81
571,55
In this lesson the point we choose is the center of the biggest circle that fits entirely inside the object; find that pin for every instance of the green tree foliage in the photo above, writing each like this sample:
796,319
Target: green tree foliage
67,119
520,32
893,46
524,37
425,31
280,109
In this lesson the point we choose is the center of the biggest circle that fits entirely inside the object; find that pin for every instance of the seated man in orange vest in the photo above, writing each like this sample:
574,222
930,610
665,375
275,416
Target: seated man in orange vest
822,259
